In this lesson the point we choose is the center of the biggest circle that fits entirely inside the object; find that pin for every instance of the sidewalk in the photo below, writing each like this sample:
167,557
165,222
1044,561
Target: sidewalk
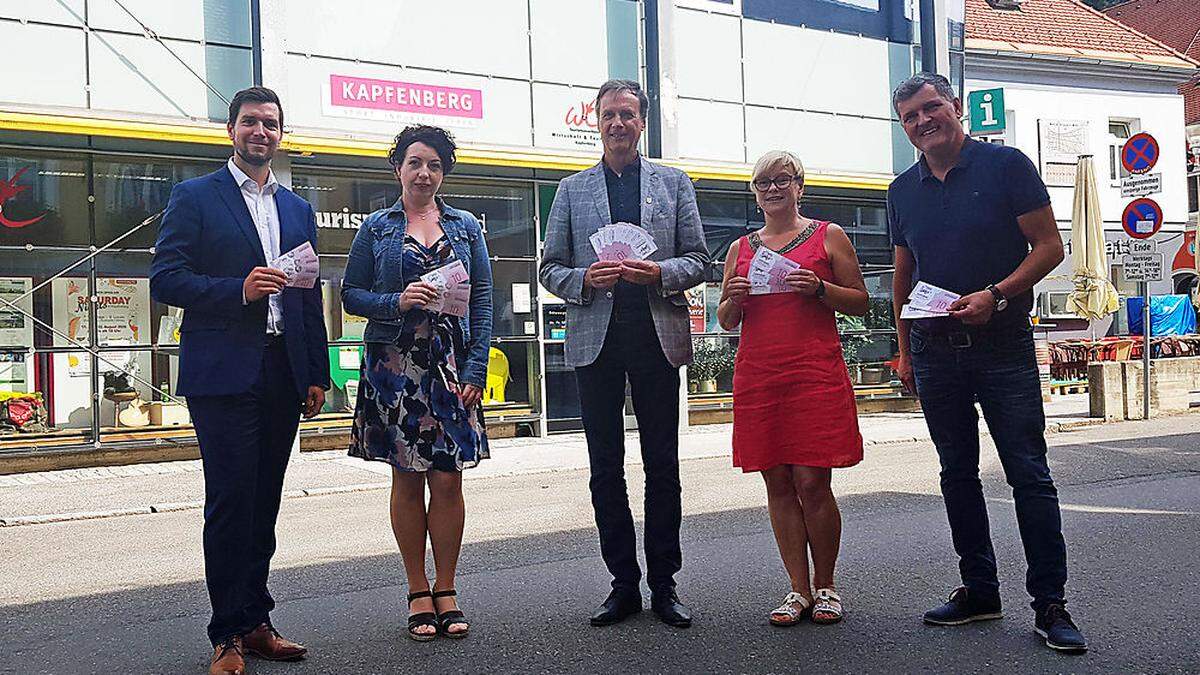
76,494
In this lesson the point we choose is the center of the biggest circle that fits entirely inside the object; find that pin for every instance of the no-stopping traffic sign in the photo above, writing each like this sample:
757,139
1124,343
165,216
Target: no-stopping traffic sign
1140,153
1142,219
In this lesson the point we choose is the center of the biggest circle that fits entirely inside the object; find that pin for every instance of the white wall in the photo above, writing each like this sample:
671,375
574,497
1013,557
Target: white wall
742,86
537,64
747,86
471,36
128,72
1159,114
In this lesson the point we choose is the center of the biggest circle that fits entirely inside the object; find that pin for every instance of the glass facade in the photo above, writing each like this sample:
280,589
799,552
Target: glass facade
66,204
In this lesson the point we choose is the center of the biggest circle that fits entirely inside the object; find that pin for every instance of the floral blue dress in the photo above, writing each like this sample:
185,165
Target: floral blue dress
408,413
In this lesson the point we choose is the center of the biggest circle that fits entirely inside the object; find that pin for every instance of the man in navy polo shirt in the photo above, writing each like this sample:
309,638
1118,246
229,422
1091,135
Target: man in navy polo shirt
975,218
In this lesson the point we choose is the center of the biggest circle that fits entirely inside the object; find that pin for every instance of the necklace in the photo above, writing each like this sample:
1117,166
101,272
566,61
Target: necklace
423,215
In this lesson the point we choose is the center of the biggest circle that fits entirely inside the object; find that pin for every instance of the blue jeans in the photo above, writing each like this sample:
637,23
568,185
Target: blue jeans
999,370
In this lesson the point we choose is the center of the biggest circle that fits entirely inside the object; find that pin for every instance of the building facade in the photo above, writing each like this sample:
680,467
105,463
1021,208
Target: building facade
135,100
1075,82
1176,23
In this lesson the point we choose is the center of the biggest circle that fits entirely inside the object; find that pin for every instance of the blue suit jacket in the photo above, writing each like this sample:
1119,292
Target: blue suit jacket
206,247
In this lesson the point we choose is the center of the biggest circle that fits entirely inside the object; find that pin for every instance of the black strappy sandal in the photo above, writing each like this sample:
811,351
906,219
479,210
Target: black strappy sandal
451,617
421,619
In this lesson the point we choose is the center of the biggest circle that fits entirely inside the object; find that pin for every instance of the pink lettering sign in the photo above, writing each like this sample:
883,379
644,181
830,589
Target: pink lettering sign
406,97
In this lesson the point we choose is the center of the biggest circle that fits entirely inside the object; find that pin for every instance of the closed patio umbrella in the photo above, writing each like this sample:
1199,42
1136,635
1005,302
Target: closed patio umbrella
1093,295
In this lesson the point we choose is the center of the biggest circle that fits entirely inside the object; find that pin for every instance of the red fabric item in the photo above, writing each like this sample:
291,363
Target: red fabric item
792,398
21,410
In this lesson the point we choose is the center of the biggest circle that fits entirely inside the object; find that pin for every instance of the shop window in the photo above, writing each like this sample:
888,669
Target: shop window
23,270
506,213
43,200
711,370
127,192
514,298
545,195
725,220
866,226
1119,131
512,375
562,390
65,381
341,202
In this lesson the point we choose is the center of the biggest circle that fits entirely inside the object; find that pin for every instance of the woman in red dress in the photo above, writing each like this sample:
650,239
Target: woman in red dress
794,417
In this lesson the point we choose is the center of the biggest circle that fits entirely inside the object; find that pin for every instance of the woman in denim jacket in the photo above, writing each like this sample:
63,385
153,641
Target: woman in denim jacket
423,372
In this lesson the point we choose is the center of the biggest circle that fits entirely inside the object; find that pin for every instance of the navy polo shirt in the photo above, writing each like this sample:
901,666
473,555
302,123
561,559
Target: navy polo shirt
963,232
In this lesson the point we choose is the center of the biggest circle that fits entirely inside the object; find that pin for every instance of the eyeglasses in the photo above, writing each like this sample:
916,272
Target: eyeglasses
781,182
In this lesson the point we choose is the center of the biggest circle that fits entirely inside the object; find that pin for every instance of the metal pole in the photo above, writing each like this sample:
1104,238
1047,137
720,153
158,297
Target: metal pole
928,17
1146,350
88,257
93,351
653,81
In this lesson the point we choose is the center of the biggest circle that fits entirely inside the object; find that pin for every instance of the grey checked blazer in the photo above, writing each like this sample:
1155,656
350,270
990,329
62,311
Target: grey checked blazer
669,214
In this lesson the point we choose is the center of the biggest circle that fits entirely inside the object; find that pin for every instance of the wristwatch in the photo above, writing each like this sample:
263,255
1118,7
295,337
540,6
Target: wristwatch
1001,301
820,293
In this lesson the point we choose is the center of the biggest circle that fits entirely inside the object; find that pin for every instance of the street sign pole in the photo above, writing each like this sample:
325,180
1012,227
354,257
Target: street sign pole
1146,350
1141,220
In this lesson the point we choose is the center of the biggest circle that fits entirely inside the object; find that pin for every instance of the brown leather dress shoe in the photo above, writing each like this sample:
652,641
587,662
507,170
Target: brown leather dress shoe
227,658
266,642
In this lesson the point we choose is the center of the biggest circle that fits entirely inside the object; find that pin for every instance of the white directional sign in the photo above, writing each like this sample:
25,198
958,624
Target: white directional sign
1141,185
1143,247
1144,267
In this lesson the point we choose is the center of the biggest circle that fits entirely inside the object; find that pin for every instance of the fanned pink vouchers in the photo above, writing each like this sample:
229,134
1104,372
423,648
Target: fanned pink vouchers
301,266
622,241
453,285
768,270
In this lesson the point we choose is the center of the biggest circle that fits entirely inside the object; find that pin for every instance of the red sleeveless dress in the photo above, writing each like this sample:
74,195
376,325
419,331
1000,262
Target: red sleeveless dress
792,398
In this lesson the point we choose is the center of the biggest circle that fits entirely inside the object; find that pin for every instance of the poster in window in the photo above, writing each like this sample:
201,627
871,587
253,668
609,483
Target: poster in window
696,309
1060,143
16,329
122,313
122,310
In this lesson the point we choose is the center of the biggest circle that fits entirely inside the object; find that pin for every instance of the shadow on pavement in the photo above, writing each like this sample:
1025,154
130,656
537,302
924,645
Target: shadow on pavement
529,598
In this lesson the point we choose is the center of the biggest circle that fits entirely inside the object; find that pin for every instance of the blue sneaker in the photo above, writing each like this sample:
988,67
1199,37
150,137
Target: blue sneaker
962,609
1054,623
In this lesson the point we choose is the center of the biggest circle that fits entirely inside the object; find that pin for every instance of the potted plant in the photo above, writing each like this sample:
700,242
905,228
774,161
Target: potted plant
853,331
705,366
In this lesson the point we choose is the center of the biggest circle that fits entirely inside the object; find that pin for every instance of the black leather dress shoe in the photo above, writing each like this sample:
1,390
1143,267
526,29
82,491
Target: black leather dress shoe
670,610
616,608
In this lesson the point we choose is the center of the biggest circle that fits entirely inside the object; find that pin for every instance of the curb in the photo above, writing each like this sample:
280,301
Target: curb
172,507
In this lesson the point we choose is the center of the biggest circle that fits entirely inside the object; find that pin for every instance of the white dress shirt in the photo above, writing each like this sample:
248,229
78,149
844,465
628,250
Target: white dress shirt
261,204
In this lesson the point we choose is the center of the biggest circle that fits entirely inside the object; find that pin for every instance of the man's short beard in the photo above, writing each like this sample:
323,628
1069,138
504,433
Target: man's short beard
253,161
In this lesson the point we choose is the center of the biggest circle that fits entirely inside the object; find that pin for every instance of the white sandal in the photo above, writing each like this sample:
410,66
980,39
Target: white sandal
829,603
789,610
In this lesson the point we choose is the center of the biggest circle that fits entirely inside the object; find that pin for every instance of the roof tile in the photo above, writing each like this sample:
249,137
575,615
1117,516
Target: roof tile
1066,24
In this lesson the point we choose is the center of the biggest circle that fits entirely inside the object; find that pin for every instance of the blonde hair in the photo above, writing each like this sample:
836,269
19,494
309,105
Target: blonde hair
778,159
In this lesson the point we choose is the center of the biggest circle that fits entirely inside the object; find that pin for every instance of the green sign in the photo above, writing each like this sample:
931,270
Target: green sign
985,109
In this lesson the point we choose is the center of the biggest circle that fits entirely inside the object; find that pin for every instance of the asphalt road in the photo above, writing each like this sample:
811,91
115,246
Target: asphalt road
126,594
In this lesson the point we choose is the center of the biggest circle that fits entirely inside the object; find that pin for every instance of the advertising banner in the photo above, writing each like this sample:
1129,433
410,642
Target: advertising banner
403,102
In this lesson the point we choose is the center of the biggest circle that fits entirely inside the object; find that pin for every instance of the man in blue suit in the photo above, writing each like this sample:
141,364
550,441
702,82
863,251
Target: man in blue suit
252,358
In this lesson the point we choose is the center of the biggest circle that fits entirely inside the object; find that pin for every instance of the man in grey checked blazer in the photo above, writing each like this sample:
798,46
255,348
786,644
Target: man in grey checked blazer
629,320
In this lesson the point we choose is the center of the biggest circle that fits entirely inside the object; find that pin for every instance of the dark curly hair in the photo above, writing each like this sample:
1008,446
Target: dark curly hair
435,137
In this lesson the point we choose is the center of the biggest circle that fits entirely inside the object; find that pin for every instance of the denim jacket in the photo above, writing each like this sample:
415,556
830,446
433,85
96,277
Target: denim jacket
373,281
